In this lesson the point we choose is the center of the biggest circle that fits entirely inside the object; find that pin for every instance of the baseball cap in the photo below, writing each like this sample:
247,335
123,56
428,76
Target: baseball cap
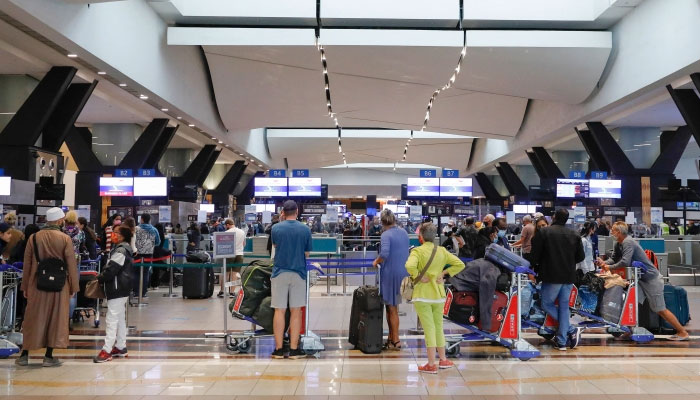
289,206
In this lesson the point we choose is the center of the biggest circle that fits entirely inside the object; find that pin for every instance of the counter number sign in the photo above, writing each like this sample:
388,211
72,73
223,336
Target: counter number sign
278,173
427,173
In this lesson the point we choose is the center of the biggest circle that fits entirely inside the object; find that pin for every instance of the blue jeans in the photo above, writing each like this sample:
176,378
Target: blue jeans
550,293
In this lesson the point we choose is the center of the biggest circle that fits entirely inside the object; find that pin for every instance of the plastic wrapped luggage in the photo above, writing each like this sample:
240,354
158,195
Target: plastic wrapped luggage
255,280
504,257
676,299
612,303
366,320
588,299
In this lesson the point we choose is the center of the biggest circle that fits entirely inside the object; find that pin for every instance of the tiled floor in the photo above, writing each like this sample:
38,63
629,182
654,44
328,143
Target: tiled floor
170,356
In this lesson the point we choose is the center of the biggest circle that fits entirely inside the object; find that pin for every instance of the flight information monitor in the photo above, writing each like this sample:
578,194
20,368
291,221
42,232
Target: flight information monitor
605,189
572,188
110,186
151,186
304,187
270,187
5,185
423,187
456,187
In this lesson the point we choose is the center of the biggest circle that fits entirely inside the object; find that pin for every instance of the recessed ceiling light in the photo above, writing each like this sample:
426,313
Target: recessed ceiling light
179,117
260,165
143,97
71,55
101,73
220,142
191,125
213,138
122,84
164,109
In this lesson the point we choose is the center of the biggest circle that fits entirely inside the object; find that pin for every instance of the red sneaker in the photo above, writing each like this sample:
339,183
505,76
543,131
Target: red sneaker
102,357
428,369
119,353
447,364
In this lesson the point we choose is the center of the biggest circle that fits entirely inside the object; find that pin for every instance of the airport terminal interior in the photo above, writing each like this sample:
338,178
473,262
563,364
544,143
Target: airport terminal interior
325,152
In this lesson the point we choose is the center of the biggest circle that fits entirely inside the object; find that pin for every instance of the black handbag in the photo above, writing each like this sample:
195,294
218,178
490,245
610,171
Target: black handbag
51,273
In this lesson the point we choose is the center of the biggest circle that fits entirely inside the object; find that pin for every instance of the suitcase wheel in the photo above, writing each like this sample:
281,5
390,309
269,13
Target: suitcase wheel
452,351
96,324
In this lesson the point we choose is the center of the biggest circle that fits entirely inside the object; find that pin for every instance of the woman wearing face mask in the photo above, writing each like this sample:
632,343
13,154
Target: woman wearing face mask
484,239
586,232
107,230
502,226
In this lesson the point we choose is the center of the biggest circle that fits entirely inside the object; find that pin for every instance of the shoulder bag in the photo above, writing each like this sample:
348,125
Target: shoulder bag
94,290
51,272
407,283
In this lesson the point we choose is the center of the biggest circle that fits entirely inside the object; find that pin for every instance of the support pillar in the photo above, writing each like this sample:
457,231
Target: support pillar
137,156
66,113
512,181
487,188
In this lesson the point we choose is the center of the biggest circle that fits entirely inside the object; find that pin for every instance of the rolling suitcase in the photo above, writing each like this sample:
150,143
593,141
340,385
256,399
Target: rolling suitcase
370,331
197,283
366,310
504,257
676,299
464,308
649,319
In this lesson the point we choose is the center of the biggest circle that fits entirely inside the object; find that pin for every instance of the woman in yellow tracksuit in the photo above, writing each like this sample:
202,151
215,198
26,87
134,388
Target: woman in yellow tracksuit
429,293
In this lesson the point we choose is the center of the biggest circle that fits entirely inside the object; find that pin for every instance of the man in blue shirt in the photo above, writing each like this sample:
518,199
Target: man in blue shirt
292,241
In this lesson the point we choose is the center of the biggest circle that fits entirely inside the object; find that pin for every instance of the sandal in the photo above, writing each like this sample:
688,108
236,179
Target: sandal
676,338
392,346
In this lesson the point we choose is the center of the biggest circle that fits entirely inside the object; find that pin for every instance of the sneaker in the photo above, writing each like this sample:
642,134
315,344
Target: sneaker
296,354
575,337
22,361
119,353
445,364
428,369
220,295
560,347
103,356
231,295
51,362
278,353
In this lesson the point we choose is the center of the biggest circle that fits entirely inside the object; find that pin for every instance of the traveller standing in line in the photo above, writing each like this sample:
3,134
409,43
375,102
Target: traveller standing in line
292,241
557,249
393,253
89,246
628,250
502,226
10,238
238,258
488,220
587,232
116,281
526,237
484,239
46,317
147,238
429,292
469,235
107,229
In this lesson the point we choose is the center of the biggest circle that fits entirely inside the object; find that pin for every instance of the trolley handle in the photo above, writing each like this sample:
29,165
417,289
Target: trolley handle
524,270
640,265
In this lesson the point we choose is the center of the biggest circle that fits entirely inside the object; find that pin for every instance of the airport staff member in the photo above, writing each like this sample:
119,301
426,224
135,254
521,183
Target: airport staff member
628,250
292,241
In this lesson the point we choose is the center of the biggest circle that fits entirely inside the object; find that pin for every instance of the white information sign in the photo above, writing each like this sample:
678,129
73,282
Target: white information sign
266,217
201,216
224,245
164,214
657,215
630,219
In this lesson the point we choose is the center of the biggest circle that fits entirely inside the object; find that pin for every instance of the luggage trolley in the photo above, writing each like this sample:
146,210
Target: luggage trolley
509,332
628,323
88,269
10,277
241,342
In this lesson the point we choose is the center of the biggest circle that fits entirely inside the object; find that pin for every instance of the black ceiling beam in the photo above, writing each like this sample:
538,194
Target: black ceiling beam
596,155
191,174
511,179
161,145
688,104
612,153
672,150
249,191
27,124
487,187
548,165
79,142
145,144
537,165
228,184
66,113
204,173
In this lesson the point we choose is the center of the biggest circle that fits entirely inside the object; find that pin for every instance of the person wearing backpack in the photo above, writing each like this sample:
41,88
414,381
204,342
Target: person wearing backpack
50,279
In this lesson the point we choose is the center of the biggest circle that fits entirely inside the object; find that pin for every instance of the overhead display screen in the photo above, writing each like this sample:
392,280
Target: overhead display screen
116,186
270,187
153,186
5,185
305,187
605,189
423,187
572,188
456,187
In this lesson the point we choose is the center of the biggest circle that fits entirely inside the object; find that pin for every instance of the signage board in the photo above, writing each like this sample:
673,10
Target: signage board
123,173
315,209
423,187
577,174
300,173
202,216
277,173
657,215
599,175
146,172
164,214
456,187
464,210
615,211
428,173
224,245
271,187
192,218
116,186
450,173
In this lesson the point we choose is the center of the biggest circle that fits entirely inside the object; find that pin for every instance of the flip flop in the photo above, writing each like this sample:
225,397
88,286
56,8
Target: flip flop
676,338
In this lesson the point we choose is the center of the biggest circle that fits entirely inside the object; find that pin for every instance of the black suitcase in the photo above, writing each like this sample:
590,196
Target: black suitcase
370,331
364,299
197,283
649,319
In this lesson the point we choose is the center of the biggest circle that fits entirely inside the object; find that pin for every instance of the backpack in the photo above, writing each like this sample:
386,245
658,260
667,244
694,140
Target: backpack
652,257
51,273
